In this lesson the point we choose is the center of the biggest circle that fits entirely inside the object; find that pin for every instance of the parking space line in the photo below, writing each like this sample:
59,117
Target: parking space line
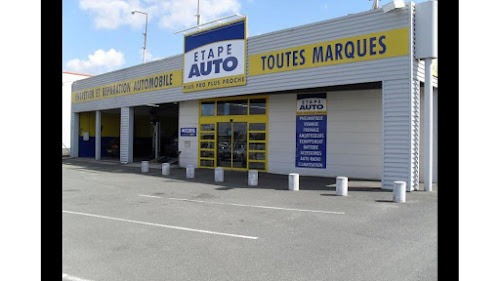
152,196
162,225
73,278
256,206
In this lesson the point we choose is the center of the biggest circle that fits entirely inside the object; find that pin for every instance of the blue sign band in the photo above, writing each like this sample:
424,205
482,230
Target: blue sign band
231,31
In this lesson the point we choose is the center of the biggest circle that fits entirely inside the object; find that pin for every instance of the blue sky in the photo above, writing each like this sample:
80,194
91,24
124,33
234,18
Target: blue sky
102,35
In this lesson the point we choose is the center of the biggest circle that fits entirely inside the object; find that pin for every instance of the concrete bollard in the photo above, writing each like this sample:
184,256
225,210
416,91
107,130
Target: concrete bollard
144,166
399,191
253,177
219,174
165,169
341,186
293,181
189,171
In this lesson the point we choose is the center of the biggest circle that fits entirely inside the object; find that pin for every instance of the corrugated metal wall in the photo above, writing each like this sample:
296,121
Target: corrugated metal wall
415,132
348,73
414,110
354,135
396,132
127,135
75,133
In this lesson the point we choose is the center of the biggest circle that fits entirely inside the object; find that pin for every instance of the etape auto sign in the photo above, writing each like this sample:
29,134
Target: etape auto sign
215,58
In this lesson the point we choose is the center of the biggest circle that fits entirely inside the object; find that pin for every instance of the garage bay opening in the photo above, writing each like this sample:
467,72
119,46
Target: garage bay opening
155,133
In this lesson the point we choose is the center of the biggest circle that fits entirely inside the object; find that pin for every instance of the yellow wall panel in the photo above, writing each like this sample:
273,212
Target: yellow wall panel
385,44
110,125
87,123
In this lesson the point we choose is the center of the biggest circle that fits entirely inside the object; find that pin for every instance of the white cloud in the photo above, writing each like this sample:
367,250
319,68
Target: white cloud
112,14
98,62
171,14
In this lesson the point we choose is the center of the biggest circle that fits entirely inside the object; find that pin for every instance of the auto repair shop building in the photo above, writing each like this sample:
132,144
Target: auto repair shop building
340,97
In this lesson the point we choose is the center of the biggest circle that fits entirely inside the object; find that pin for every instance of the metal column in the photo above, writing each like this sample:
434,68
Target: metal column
75,134
98,135
127,135
428,122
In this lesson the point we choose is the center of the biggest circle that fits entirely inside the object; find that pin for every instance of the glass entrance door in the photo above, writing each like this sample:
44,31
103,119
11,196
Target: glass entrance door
239,145
224,135
232,144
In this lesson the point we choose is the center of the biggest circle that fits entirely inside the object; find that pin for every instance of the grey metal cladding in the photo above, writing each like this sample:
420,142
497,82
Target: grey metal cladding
126,134
414,110
75,134
415,132
347,73
397,143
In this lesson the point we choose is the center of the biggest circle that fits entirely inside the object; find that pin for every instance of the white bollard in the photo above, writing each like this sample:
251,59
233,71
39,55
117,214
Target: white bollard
189,171
165,169
341,186
293,181
219,174
144,166
253,177
399,191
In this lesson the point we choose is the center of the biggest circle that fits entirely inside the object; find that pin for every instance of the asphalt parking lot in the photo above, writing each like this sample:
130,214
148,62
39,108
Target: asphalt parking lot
120,224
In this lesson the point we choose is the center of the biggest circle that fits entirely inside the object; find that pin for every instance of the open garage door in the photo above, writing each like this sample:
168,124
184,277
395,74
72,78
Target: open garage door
110,134
156,132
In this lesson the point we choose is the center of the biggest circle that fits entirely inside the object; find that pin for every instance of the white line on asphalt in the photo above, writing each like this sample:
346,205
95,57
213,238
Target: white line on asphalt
255,206
152,196
73,278
162,225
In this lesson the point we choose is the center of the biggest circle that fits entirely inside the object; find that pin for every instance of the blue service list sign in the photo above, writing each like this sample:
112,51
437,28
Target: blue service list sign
188,132
311,141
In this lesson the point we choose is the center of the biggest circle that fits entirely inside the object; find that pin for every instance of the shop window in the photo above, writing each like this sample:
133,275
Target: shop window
207,136
206,163
257,106
257,136
207,127
257,146
207,145
208,108
257,127
206,154
234,107
257,165
257,156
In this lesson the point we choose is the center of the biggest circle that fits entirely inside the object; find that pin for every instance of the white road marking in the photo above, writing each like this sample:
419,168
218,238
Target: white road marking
162,225
73,278
152,196
256,206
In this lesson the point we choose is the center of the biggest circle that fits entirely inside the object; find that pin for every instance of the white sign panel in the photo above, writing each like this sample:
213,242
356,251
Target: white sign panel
215,58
